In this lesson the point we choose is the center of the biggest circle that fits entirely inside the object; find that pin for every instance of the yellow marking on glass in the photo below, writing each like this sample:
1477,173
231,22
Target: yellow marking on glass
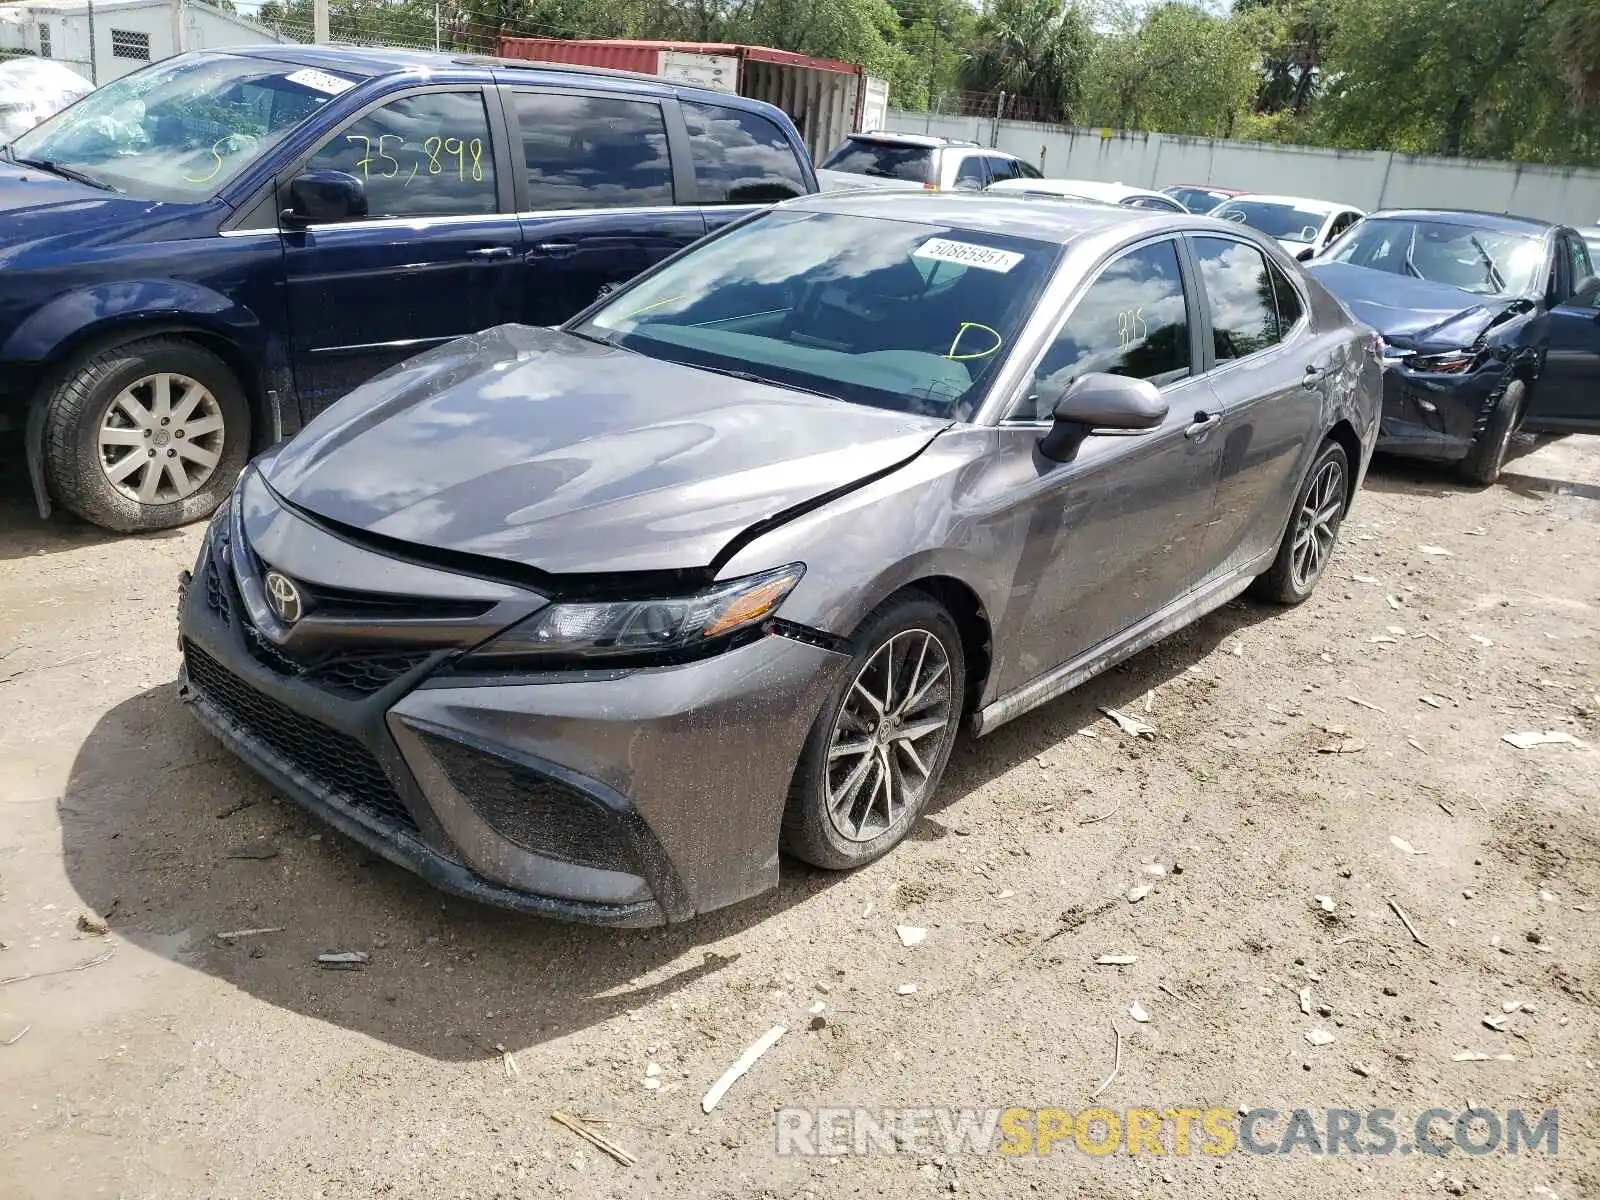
961,332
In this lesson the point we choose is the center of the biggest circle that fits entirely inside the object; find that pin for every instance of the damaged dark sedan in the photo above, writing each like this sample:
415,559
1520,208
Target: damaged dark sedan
1490,324
590,621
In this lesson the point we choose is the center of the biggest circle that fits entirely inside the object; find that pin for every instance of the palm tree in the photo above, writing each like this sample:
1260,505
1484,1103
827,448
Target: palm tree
1034,50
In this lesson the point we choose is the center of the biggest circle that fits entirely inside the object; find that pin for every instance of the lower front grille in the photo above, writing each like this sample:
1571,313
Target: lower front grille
333,760
364,676
535,811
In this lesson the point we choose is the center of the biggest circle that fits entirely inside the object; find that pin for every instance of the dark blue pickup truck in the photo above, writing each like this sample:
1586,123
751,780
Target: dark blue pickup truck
197,258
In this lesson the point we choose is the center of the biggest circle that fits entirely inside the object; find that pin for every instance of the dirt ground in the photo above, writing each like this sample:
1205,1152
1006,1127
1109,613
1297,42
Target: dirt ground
185,1065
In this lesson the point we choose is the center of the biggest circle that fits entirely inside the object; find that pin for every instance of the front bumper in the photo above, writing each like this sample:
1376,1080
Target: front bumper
623,797
1429,415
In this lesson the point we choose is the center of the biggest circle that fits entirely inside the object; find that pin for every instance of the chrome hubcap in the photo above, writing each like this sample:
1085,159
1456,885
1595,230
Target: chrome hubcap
161,439
1317,524
892,730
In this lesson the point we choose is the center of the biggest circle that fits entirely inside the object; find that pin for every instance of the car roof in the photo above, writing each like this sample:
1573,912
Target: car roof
1089,189
1208,187
1305,202
1502,222
374,61
930,141
991,212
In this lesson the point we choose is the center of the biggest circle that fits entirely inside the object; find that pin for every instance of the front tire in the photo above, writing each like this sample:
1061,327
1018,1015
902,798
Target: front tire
150,434
1487,458
879,746
1307,544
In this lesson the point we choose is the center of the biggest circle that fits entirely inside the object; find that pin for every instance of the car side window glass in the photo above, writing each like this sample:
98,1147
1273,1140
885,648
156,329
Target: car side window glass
740,157
1286,299
427,155
1582,270
1244,312
970,173
1028,170
1001,168
592,151
1132,320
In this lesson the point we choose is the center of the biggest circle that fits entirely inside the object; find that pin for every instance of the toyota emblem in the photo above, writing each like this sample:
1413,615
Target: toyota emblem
284,598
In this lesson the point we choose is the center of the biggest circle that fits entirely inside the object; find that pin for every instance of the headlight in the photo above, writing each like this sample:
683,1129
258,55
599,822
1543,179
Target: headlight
641,629
1448,362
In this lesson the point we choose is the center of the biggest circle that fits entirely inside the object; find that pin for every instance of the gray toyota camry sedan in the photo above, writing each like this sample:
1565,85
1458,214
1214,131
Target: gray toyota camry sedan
592,621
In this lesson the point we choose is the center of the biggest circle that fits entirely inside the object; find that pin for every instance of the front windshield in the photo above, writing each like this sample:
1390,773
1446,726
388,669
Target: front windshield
892,313
181,129
1483,261
1282,221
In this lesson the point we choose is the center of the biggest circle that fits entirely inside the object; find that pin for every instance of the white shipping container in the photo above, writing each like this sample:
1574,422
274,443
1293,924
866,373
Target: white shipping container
874,105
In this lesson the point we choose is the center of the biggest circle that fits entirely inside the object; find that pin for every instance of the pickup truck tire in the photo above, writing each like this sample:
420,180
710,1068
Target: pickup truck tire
149,434
1487,457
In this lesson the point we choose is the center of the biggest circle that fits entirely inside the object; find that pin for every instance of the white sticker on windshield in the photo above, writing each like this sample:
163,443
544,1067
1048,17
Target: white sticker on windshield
985,258
320,81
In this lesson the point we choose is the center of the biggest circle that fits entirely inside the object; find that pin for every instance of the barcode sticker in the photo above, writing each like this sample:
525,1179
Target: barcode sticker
985,258
320,81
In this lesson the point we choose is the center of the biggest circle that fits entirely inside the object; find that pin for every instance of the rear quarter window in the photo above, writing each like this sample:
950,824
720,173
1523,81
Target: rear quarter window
740,157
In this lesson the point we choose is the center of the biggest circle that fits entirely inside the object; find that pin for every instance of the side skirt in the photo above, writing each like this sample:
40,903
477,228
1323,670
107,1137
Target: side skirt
1057,682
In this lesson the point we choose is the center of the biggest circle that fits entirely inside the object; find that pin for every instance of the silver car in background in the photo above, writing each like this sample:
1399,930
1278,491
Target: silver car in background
590,621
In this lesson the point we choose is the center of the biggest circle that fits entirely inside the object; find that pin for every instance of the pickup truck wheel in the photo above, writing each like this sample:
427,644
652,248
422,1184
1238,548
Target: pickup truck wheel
146,435
1487,457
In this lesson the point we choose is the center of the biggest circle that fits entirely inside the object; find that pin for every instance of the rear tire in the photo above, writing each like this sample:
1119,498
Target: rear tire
879,746
150,434
1308,542
1487,457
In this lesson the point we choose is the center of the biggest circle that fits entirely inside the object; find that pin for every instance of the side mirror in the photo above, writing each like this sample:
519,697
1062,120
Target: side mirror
1307,254
323,198
1098,401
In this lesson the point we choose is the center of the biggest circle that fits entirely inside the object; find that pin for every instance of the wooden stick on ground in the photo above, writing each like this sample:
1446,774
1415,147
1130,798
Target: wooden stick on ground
1115,1066
593,1138
1406,921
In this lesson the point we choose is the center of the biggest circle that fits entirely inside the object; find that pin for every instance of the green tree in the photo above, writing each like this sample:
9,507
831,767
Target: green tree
1177,69
1034,50
1407,75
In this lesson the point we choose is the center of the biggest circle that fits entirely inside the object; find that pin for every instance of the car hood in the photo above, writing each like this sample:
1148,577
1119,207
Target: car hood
1411,312
536,447
37,208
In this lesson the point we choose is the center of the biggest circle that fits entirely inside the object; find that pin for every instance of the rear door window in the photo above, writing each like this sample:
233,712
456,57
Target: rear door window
592,151
1132,320
969,175
1239,285
740,157
886,160
1001,168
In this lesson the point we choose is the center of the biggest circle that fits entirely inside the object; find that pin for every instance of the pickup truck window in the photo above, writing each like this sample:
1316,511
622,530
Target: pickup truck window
740,157
427,155
181,129
593,151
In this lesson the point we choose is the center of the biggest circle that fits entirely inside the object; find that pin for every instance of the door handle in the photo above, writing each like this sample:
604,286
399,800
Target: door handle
1312,376
490,252
557,249
1203,424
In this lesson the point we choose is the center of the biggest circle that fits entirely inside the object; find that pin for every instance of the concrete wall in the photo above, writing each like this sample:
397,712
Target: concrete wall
1366,179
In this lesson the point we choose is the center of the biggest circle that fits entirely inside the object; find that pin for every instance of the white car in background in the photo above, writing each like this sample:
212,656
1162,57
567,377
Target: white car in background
1305,228
1090,189
1591,236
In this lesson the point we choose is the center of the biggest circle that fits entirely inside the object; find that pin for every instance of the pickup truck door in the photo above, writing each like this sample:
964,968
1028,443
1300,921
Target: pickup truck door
436,256
597,188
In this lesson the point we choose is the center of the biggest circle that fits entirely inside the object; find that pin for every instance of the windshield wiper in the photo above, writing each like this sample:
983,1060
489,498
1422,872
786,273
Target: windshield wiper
72,173
1496,280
